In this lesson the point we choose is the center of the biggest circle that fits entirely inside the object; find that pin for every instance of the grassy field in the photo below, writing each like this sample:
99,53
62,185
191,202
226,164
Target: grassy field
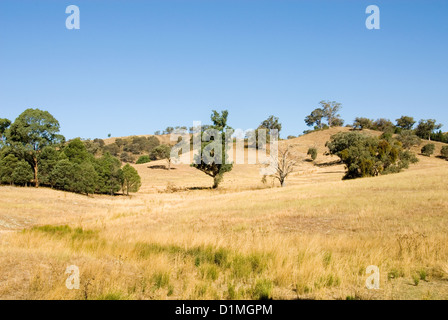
176,239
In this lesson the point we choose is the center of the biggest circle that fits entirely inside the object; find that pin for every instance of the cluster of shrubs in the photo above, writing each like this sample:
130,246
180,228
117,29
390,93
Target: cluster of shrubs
169,130
425,129
129,148
428,150
70,167
367,156
135,149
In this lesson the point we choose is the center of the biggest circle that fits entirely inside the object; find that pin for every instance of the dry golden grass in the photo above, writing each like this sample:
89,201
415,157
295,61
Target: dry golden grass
311,239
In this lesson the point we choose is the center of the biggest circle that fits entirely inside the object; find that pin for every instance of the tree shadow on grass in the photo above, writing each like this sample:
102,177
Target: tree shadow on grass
199,188
160,167
328,164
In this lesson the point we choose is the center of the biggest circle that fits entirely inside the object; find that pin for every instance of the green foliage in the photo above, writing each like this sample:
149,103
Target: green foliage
112,148
162,152
405,123
213,168
406,158
143,159
7,167
85,178
426,127
408,139
94,147
31,132
271,123
62,175
312,152
428,149
366,156
361,123
444,152
328,110
126,157
384,125
133,145
110,176
315,118
23,173
440,136
4,124
76,151
48,159
131,179
33,142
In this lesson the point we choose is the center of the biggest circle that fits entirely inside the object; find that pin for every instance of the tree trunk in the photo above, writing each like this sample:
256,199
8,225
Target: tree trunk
36,171
215,182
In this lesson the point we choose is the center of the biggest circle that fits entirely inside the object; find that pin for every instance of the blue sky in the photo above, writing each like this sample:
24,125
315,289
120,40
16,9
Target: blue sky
139,66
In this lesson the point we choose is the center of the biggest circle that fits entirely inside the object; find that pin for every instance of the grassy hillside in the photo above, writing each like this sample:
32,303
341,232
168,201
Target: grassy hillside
246,240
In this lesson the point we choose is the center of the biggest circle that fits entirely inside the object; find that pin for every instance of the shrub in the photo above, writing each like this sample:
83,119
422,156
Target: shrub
408,139
313,153
126,157
428,149
143,159
366,156
444,152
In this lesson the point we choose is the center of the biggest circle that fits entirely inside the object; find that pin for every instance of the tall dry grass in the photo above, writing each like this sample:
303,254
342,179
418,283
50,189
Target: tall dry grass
311,240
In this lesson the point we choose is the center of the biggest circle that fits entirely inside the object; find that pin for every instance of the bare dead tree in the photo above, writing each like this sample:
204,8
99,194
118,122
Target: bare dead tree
281,164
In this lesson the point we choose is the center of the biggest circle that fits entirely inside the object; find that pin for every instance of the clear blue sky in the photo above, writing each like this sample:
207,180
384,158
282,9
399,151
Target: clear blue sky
139,66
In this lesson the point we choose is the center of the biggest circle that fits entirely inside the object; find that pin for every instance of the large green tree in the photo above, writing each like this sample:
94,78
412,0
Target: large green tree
63,175
131,180
271,123
361,123
110,175
405,122
85,178
315,118
214,165
162,152
426,127
330,110
30,133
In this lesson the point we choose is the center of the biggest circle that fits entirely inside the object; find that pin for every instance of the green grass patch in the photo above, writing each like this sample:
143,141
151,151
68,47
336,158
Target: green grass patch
161,280
66,231
116,295
262,290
